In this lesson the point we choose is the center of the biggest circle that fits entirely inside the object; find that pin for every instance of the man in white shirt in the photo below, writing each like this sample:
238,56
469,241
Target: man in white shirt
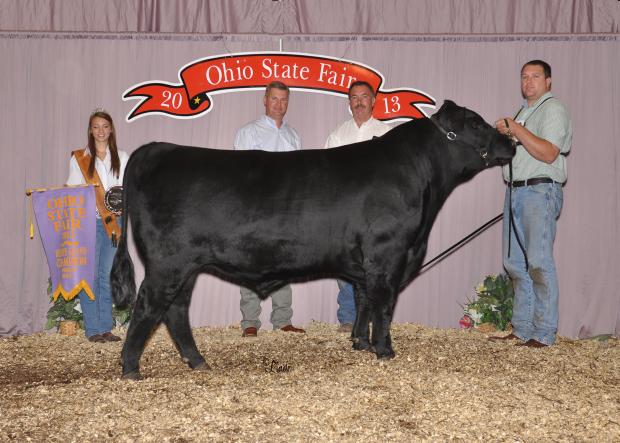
361,127
269,133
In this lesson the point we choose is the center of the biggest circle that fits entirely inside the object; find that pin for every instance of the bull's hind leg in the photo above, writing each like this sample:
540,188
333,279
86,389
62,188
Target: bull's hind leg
151,305
140,327
361,329
177,321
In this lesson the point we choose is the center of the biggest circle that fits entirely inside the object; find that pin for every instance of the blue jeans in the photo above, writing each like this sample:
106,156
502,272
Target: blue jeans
346,303
535,211
98,312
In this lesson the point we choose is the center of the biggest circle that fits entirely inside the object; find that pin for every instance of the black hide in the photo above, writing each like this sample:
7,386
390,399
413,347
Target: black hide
361,213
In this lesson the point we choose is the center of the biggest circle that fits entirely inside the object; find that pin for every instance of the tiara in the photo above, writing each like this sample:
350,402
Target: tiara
98,110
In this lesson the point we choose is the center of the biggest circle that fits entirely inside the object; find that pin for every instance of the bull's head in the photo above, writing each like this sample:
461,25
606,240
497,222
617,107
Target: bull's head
464,127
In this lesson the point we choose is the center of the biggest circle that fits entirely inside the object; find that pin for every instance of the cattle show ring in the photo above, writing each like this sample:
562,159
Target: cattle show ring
310,221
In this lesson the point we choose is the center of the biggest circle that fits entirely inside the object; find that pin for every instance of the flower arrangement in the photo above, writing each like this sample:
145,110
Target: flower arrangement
121,316
492,305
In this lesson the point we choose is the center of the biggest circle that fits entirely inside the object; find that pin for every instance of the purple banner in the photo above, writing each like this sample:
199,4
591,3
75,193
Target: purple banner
66,220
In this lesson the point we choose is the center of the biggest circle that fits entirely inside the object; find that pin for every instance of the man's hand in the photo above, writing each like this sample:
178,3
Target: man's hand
505,126
537,147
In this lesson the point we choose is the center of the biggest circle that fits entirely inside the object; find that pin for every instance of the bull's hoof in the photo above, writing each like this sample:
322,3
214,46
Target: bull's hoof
203,366
361,345
198,364
134,375
386,355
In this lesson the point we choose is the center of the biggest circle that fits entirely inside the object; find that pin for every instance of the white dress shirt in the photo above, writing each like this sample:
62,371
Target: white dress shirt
349,132
263,134
103,168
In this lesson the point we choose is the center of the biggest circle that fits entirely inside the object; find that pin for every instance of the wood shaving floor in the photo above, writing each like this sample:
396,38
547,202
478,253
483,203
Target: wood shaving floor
444,384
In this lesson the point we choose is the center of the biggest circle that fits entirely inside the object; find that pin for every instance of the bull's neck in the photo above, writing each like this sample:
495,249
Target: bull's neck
457,164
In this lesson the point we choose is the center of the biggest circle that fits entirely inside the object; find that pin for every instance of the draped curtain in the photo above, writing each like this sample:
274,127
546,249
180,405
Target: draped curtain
53,80
314,17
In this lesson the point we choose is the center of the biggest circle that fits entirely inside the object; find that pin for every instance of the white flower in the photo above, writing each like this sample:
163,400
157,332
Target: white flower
475,315
494,308
480,288
77,306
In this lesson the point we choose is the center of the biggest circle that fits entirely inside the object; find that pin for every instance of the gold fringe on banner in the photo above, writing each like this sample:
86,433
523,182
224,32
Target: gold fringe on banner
68,296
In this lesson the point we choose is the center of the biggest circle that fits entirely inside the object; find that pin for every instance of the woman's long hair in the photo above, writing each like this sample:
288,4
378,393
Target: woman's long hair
116,163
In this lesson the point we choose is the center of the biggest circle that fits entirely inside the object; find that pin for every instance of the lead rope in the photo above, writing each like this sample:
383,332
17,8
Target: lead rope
452,136
511,221
481,229
463,241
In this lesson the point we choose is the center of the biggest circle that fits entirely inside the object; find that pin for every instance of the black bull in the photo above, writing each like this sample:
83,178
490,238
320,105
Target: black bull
361,213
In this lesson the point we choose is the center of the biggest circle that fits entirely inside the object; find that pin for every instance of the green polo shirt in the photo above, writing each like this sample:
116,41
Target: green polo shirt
550,121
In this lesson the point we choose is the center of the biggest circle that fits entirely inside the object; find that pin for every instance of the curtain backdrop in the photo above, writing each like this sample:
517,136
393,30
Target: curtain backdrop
314,16
52,82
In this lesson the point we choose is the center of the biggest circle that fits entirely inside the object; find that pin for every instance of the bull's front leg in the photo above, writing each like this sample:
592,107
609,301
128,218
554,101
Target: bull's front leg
382,299
381,336
361,329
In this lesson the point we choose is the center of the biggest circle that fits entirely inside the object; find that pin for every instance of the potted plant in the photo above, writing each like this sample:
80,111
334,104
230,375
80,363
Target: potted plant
65,316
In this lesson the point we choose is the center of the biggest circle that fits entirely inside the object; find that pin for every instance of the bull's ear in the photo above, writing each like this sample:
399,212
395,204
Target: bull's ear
447,106
446,109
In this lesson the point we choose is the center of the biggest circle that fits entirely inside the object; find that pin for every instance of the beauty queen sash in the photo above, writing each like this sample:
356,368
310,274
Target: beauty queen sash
107,216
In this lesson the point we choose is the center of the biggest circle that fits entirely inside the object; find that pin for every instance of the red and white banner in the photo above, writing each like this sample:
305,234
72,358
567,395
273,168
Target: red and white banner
203,78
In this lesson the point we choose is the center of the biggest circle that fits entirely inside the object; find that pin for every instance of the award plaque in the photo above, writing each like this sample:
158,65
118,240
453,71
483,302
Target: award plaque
113,200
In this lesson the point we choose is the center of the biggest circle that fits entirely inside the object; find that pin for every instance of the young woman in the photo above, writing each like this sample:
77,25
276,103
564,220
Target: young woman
100,163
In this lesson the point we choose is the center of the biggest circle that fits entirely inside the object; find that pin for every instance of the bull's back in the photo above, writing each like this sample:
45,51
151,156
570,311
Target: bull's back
254,184
254,207
250,209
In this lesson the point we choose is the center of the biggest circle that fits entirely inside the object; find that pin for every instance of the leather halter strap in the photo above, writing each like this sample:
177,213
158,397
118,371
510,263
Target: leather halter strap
451,136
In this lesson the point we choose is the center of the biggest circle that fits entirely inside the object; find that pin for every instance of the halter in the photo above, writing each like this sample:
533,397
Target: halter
451,136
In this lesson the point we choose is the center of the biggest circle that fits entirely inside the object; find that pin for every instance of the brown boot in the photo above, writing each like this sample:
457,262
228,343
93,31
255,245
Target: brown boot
510,336
250,332
108,336
345,327
291,328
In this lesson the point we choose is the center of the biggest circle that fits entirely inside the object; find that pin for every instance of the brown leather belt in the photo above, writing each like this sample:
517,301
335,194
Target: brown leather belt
531,182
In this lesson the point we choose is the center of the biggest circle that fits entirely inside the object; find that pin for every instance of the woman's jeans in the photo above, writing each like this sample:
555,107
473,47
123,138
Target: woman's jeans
98,312
535,211
346,303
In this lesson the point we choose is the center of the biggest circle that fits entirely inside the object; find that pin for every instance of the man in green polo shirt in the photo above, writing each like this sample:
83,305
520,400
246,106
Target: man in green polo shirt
543,133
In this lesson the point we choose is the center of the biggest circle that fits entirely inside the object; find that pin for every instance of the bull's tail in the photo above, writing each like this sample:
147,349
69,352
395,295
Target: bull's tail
122,276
